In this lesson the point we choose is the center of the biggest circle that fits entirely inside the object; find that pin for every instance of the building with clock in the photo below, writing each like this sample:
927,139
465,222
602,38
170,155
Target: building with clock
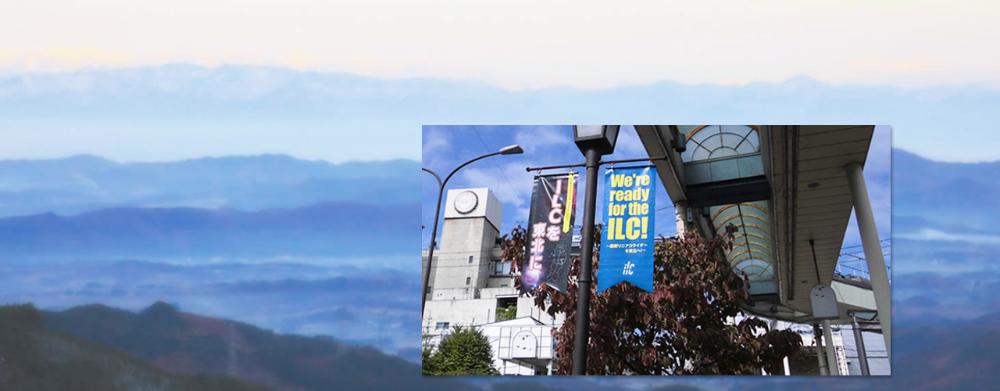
470,285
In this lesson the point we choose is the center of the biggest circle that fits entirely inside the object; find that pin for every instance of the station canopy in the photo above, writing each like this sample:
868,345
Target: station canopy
719,153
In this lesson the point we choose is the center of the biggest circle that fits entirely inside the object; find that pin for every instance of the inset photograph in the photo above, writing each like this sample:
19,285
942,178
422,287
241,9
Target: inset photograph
706,250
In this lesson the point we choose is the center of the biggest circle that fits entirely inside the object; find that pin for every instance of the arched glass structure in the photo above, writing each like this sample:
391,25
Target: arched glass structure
728,153
751,253
721,152
719,141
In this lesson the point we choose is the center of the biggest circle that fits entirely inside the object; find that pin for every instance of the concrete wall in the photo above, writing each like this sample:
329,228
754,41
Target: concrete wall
458,312
461,239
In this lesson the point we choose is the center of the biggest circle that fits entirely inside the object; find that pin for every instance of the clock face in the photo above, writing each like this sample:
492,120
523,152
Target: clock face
466,202
523,344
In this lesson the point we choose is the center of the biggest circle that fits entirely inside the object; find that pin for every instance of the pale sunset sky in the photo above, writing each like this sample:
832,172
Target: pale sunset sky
518,44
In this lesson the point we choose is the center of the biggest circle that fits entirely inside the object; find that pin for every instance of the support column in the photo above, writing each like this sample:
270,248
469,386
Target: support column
831,351
820,358
859,345
680,212
873,250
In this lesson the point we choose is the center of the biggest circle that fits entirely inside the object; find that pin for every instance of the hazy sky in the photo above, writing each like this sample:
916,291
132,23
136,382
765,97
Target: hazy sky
522,43
513,44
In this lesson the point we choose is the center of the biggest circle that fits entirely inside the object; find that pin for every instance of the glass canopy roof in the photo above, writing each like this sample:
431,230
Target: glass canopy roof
719,141
717,153
751,253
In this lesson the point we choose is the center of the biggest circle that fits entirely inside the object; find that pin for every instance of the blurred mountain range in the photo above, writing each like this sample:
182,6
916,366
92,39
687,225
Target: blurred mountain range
329,229
944,233
227,102
85,183
943,286
96,347
184,343
952,197
34,357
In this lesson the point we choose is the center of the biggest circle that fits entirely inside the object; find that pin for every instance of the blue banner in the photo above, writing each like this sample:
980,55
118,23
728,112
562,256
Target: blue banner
627,245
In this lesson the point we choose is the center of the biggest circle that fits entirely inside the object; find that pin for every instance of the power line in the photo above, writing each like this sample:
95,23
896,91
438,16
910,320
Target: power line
883,241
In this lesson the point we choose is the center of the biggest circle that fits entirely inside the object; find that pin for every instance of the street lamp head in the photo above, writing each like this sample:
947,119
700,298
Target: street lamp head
600,137
511,150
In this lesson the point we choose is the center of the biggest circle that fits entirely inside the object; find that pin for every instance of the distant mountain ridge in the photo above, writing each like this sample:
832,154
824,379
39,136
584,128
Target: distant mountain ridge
84,183
33,357
184,343
238,96
950,190
323,229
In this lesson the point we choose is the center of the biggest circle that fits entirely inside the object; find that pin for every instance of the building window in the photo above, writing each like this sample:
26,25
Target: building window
501,268
441,326
468,280
470,259
506,308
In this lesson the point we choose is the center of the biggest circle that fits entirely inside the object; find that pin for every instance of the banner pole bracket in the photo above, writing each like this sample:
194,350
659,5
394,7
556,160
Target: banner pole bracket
600,163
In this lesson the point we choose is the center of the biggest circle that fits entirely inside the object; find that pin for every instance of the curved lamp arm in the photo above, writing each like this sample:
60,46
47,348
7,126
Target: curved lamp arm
440,184
446,179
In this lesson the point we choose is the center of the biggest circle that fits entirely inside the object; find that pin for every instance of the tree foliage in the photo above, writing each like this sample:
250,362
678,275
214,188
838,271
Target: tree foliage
506,313
463,352
690,324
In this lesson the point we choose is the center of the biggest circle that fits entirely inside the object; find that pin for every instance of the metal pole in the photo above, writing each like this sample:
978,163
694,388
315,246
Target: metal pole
586,259
859,344
831,351
601,162
873,251
430,251
817,337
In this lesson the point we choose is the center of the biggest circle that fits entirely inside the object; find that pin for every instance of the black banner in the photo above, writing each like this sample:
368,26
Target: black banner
550,232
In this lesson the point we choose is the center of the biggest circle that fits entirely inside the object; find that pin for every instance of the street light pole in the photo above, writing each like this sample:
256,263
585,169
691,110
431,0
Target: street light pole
594,141
434,231
508,150
586,258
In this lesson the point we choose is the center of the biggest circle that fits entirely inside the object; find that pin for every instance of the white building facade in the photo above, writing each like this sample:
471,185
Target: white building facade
470,286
